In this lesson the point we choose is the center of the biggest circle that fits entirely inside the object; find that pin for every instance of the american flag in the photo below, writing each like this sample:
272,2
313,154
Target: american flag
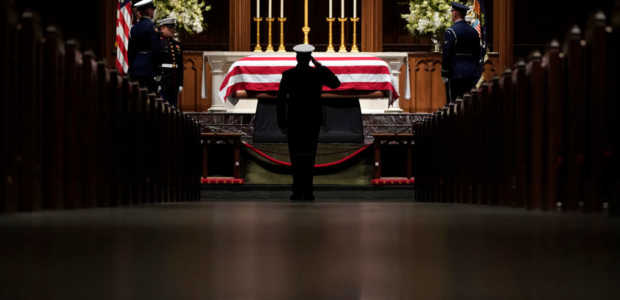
262,73
123,23
476,23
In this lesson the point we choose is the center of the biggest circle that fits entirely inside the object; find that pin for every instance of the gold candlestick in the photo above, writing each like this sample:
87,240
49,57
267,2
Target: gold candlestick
281,48
269,44
354,47
258,47
306,28
343,47
330,46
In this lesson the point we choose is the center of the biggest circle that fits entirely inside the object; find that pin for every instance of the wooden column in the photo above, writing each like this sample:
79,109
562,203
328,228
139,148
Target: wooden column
503,31
191,98
427,88
107,31
240,29
372,25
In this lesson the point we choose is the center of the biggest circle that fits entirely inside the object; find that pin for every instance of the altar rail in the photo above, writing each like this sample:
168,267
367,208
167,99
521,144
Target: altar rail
540,136
76,134
427,91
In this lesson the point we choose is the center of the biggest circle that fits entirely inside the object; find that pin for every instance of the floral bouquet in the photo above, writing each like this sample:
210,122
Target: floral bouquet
428,17
188,13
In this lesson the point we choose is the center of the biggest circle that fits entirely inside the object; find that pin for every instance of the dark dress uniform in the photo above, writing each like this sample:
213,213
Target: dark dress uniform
144,45
171,69
461,59
300,114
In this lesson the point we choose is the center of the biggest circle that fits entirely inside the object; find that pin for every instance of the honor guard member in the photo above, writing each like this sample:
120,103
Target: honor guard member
144,45
461,66
300,114
170,75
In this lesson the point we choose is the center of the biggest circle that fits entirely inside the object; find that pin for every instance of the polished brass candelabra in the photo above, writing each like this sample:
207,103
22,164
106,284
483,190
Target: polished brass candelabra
343,47
258,47
281,48
354,46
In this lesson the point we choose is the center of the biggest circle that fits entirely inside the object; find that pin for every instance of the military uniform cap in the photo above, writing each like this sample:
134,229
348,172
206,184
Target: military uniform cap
170,21
303,48
144,4
460,7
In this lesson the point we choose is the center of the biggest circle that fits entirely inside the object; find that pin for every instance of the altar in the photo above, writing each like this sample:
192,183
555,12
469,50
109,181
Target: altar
380,109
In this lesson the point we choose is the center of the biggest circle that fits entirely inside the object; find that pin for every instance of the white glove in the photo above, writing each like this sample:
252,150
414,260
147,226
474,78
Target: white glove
180,89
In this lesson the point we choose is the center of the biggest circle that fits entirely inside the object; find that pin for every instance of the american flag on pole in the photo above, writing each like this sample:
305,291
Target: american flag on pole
477,21
123,23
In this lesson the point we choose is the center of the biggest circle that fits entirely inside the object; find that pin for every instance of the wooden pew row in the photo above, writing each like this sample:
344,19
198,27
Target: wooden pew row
538,136
75,134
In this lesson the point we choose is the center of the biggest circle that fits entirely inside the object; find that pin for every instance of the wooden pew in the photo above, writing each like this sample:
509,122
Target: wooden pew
139,154
75,134
597,135
613,114
29,110
103,132
576,118
554,66
475,153
495,141
508,116
88,126
8,23
53,88
544,125
521,89
467,149
534,118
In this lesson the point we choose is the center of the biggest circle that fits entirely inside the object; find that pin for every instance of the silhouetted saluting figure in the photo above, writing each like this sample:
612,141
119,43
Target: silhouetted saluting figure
300,114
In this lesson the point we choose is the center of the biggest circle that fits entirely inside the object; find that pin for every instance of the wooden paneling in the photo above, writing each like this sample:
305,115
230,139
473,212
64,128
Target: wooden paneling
240,33
503,29
191,99
372,25
427,88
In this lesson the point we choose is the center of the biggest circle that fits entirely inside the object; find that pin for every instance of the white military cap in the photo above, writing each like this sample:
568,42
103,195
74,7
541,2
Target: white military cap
303,48
144,3
167,21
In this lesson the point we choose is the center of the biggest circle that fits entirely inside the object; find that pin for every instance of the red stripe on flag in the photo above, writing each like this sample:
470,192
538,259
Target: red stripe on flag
347,86
336,69
279,58
122,48
124,24
265,70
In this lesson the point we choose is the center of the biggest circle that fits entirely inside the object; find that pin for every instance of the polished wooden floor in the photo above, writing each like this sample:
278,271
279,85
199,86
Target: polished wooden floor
324,250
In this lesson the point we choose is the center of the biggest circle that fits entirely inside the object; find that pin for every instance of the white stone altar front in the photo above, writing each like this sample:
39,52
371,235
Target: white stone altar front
220,63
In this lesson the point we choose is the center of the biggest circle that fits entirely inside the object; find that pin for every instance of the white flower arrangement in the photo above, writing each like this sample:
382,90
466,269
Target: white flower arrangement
428,17
188,13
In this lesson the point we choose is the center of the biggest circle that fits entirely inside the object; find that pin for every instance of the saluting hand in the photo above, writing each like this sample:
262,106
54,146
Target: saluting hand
315,62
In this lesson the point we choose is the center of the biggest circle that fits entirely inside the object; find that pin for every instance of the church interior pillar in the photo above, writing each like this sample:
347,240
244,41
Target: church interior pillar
240,27
372,25
503,30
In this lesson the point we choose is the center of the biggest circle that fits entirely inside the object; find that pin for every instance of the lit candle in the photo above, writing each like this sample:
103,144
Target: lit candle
258,8
330,9
281,8
342,9
270,9
354,8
